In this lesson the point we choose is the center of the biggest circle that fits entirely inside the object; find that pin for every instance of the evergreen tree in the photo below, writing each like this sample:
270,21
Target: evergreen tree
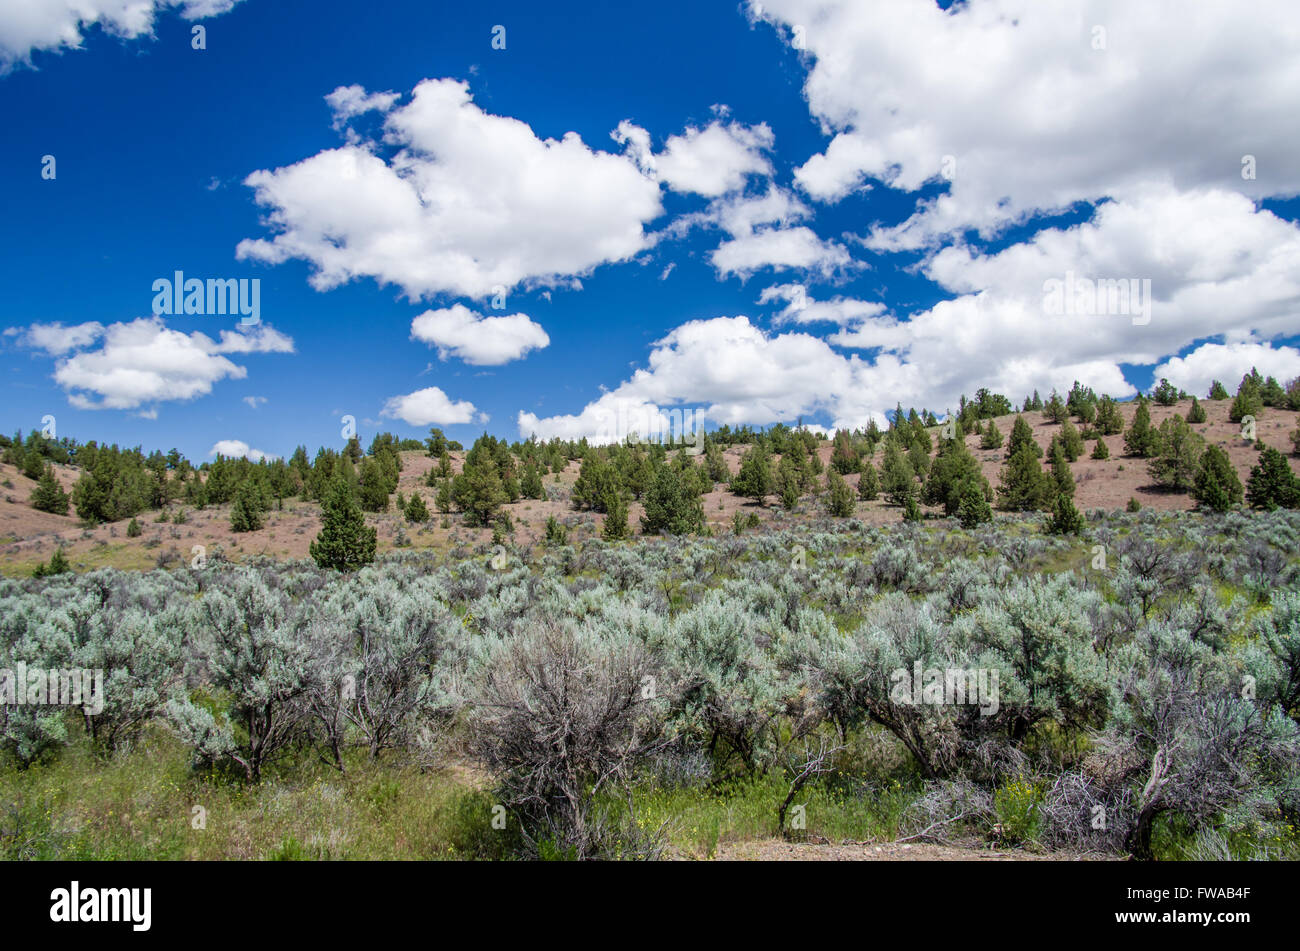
345,541
992,438
1062,479
911,510
1055,410
1178,457
1218,391
868,482
1272,484
1166,394
754,480
1109,421
1024,486
478,492
373,489
246,513
973,503
1101,450
1248,401
1196,413
840,501
790,479
48,496
1142,439
530,484
1022,437
443,499
1217,486
133,529
416,511
1066,519
897,480
844,455
1071,441
952,470
616,518
671,505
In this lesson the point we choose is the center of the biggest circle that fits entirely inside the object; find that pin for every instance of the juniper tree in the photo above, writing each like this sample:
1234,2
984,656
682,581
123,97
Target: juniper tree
1109,422
1024,487
1022,437
992,438
1101,450
1178,457
1196,412
973,503
672,505
754,480
1272,484
868,482
345,541
48,496
416,511
1142,439
1066,519
840,502
1218,391
1071,441
246,513
1216,485
897,480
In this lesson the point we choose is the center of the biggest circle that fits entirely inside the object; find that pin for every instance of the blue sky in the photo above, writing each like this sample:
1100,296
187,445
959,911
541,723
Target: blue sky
904,178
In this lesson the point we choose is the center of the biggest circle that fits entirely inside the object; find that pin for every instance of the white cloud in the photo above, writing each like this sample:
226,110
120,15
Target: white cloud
1228,363
431,406
29,25
715,160
255,401
763,234
238,449
349,101
1034,115
56,339
459,332
802,309
144,361
469,201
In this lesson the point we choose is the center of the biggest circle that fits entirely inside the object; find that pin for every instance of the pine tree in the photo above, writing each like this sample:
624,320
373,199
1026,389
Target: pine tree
1217,486
840,502
530,484
1166,394
133,529
443,499
1101,450
954,467
1196,413
868,482
790,479
1218,391
1248,401
1055,411
416,511
48,496
844,455
1142,439
478,491
345,541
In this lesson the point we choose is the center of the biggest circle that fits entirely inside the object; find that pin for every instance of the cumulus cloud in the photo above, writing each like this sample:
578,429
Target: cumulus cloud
238,449
1037,108
1228,363
459,332
468,202
144,361
255,401
29,25
349,101
715,160
431,406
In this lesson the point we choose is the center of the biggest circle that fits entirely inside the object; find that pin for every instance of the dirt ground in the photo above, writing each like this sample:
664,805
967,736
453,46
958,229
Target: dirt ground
28,537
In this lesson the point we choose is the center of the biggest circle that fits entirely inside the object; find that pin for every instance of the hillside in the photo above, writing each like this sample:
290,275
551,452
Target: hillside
28,537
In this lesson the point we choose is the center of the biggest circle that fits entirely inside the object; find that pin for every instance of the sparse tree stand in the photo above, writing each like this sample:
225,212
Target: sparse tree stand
345,542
